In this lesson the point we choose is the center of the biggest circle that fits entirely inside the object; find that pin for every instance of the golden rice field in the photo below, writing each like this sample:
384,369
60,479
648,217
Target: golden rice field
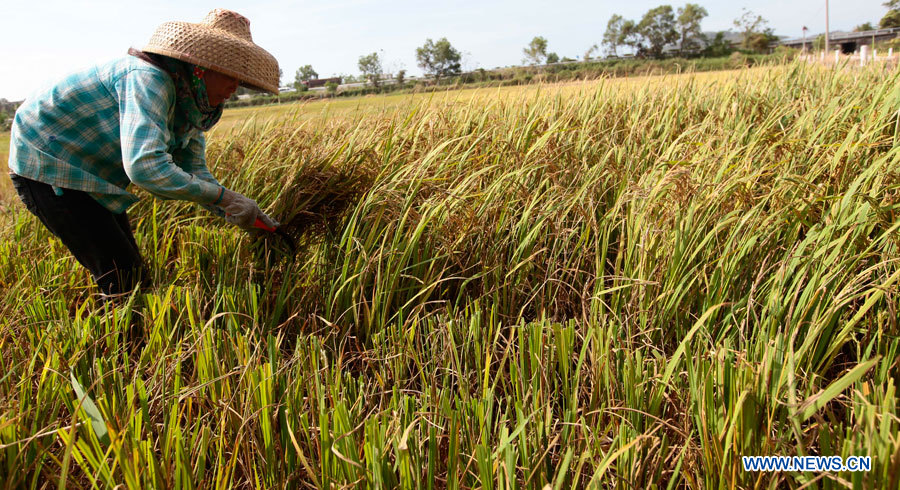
615,284
7,194
357,107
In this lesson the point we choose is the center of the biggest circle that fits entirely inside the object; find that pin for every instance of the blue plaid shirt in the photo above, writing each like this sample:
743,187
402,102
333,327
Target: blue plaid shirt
103,128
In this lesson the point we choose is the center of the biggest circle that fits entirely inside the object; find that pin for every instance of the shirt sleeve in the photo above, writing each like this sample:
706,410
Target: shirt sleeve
144,101
192,159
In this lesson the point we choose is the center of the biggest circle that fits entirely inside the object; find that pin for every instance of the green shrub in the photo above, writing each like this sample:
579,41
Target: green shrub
786,53
738,60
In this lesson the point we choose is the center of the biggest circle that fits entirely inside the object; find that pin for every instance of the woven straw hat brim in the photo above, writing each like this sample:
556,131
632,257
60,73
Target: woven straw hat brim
218,50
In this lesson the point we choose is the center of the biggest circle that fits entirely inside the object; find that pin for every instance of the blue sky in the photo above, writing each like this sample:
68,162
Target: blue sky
45,39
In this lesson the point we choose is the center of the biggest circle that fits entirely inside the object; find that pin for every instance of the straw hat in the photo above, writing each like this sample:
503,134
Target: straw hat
222,43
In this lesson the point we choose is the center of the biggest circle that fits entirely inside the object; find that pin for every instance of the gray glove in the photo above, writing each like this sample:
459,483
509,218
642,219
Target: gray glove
243,211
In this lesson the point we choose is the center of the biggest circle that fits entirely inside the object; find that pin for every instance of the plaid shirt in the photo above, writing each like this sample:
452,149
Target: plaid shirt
105,127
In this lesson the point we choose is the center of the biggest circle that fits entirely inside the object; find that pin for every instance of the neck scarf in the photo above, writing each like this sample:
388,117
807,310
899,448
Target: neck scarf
191,101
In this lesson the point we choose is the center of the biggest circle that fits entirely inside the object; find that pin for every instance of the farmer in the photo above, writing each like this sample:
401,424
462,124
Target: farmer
77,145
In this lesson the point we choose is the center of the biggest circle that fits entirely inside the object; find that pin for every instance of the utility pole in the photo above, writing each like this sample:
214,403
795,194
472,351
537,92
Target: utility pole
827,37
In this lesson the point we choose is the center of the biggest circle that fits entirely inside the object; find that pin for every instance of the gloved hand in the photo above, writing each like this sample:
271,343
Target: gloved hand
243,211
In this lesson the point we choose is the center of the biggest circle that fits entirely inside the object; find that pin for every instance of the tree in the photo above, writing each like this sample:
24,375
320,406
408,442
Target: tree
438,59
401,76
536,52
612,38
864,27
7,106
590,52
552,58
304,74
760,41
658,28
370,66
689,18
350,78
631,36
718,46
331,87
892,17
751,26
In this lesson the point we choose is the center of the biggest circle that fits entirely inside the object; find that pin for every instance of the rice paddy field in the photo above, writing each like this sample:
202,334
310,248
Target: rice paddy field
7,194
616,284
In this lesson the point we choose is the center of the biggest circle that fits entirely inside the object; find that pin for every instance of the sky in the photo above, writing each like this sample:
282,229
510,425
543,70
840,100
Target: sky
43,40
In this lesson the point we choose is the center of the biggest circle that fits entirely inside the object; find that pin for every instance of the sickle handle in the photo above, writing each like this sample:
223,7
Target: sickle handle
262,226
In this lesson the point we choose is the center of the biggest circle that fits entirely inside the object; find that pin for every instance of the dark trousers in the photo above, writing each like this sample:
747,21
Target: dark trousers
99,239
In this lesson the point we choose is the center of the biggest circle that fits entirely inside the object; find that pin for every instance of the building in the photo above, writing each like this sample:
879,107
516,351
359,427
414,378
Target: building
321,82
847,42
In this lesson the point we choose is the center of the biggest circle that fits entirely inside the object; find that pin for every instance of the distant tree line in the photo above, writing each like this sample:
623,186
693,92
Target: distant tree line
438,59
664,30
7,109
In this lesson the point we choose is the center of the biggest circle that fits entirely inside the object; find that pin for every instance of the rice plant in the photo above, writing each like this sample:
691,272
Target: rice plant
609,285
